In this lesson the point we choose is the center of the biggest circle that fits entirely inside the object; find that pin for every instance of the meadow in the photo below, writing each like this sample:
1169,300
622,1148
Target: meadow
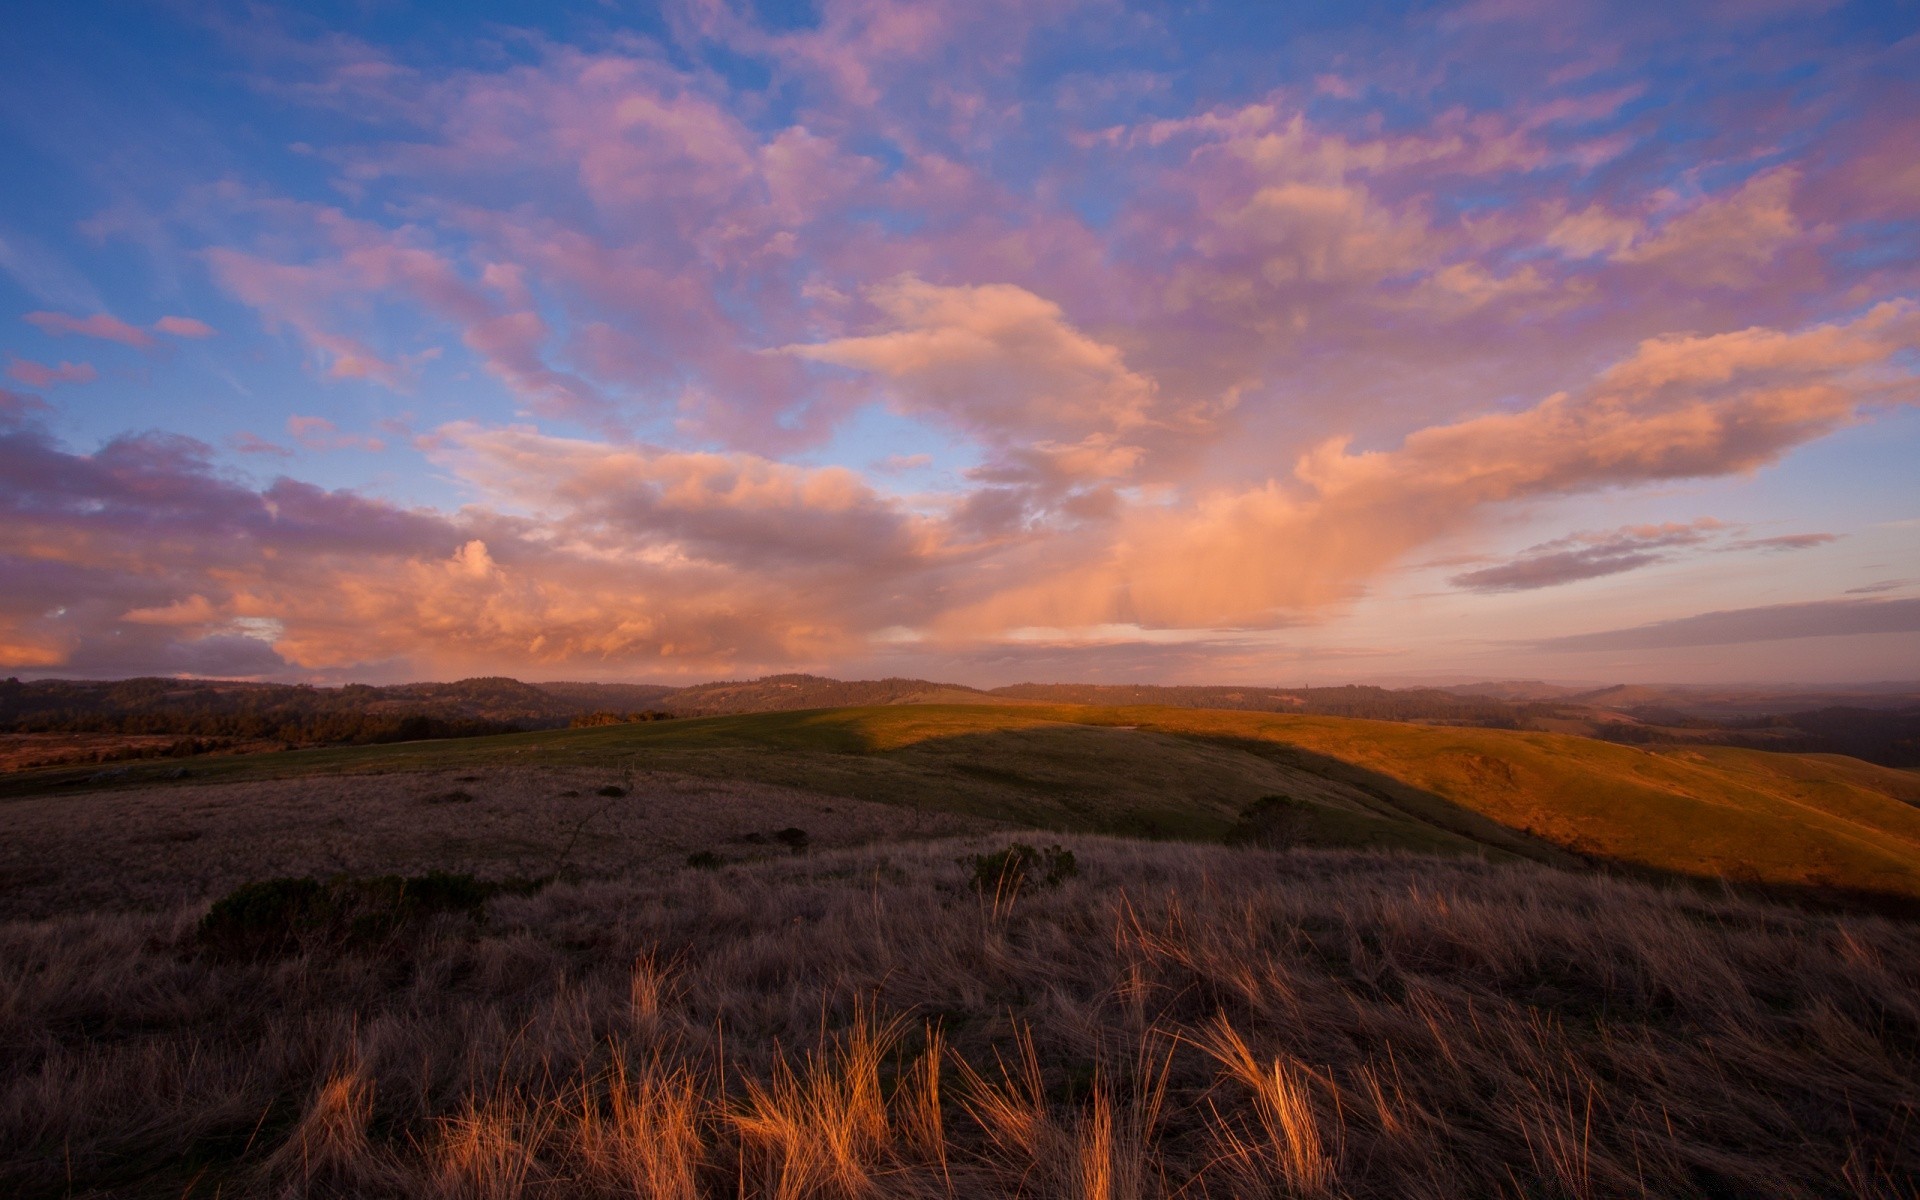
1174,1020
597,962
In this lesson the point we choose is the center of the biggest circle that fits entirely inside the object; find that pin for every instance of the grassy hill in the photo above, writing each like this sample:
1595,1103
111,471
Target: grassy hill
1811,821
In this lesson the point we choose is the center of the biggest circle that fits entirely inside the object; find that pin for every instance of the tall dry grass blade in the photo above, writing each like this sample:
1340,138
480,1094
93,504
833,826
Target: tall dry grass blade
823,1130
329,1150
1287,1145
920,1119
645,1141
490,1152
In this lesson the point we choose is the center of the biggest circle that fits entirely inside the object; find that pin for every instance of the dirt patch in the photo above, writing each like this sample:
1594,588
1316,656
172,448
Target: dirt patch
157,847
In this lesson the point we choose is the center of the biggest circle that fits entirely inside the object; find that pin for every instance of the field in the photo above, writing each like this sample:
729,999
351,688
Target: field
1480,963
1812,823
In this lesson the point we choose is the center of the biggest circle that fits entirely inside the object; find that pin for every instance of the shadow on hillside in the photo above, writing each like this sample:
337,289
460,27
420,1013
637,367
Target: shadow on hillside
1057,776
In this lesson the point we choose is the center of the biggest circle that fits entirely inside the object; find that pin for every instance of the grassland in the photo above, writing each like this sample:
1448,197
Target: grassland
1819,823
860,1013
1177,1020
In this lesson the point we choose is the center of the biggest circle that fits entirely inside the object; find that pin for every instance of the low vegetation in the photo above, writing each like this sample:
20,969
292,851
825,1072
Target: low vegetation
1815,825
1167,1020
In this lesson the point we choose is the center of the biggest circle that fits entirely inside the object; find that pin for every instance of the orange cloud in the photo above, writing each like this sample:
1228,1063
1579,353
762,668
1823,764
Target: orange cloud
1680,407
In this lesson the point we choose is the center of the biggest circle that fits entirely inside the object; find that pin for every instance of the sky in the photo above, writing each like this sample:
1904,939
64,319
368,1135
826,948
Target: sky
979,340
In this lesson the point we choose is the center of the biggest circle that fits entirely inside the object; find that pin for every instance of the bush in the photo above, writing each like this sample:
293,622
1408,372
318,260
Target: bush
1020,865
793,838
1272,822
705,860
612,791
284,916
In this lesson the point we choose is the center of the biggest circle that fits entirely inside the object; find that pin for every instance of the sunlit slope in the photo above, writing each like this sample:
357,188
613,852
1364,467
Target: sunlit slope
1775,818
1749,814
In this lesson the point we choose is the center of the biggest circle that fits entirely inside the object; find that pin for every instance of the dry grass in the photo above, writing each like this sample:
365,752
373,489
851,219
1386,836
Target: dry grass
159,847
1805,823
1178,1021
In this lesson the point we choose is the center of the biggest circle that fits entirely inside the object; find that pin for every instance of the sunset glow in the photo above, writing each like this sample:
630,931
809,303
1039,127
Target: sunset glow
973,341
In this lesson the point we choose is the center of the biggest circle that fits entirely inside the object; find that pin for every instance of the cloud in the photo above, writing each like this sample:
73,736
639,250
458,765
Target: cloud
1790,541
184,327
104,326
1874,589
318,433
1585,556
1775,622
995,360
39,375
110,328
244,442
1679,407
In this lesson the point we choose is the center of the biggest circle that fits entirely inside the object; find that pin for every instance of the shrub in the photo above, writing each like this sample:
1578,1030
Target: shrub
1272,822
1020,865
456,796
282,916
793,838
612,791
705,860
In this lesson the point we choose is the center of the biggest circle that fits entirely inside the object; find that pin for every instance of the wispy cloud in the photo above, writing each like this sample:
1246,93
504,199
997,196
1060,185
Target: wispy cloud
40,375
1775,622
1586,556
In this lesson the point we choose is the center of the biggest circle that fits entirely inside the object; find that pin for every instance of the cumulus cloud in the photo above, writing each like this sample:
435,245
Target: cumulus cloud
999,363
1679,407
1194,371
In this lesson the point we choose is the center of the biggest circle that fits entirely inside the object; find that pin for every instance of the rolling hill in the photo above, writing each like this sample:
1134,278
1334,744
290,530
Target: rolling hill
1791,821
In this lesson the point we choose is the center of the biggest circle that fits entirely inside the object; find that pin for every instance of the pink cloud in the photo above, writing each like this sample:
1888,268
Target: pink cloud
105,326
252,443
1678,408
318,433
40,375
184,327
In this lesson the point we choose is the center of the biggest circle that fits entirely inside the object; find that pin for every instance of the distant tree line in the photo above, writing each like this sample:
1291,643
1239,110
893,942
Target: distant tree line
594,720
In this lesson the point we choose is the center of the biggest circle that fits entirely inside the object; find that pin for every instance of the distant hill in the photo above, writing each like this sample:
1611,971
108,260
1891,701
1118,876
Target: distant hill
1513,689
1880,725
1386,704
785,693
608,697
290,713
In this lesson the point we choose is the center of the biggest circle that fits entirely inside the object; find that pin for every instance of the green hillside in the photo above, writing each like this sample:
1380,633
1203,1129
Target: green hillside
1794,820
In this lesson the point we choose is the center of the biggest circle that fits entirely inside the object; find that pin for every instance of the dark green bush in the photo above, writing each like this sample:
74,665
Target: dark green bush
1019,866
